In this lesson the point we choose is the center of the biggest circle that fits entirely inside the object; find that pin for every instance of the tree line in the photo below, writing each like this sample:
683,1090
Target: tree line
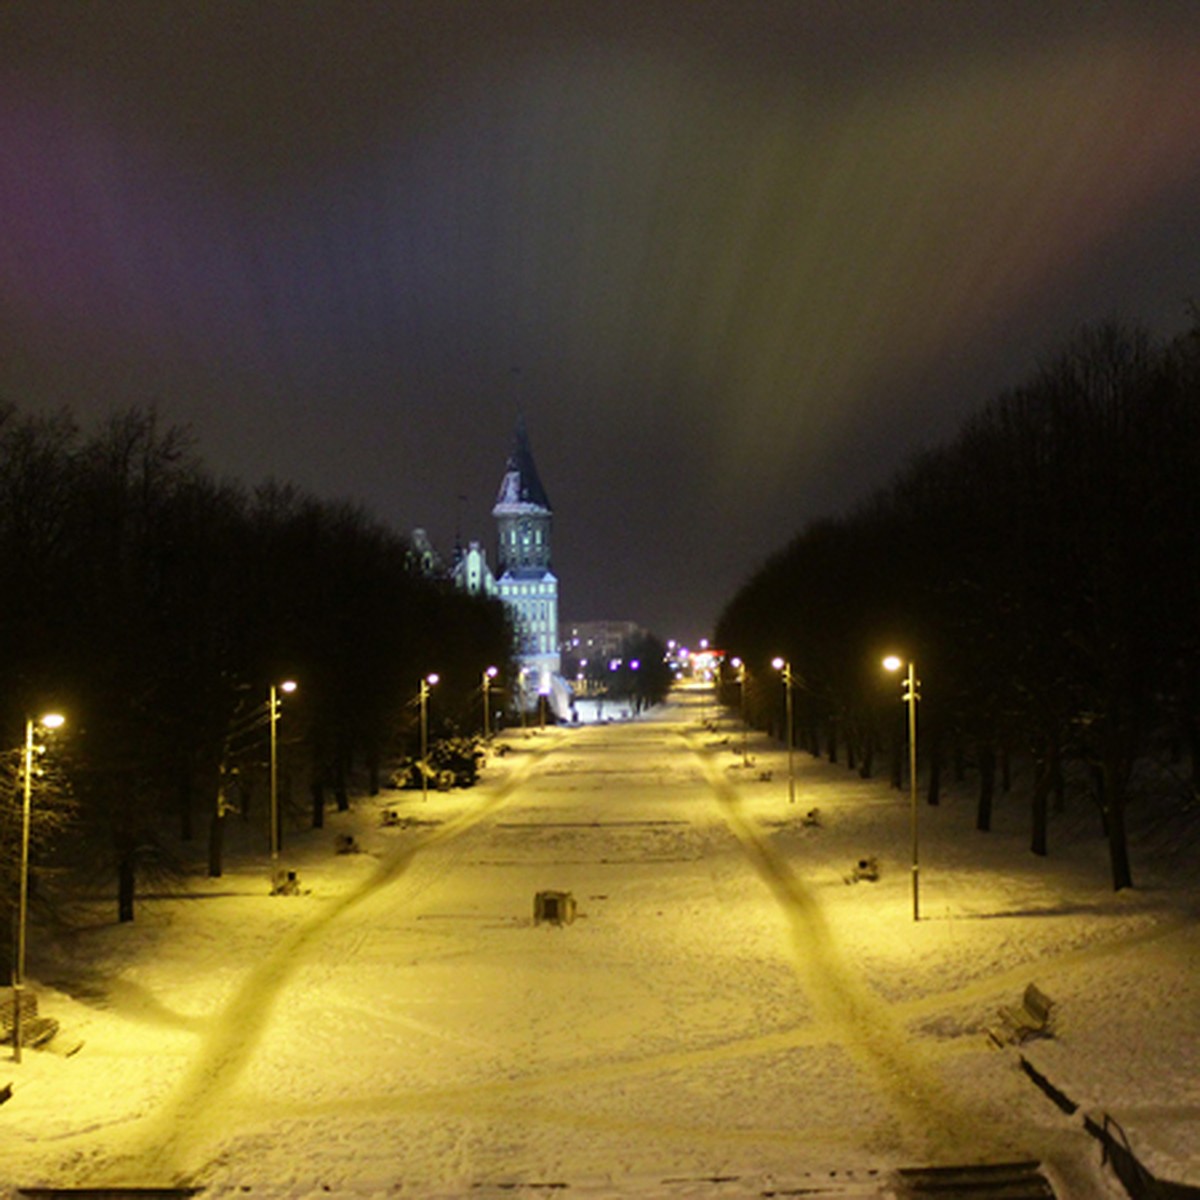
156,605
1041,569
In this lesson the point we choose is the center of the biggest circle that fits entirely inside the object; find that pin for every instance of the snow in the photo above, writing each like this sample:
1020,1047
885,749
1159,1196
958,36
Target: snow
727,1015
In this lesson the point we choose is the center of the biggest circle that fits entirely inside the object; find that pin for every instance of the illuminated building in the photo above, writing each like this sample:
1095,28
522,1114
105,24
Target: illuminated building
524,577
526,580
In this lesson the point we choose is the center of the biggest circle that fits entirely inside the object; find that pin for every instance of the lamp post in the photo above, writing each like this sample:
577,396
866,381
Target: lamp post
488,676
740,667
49,721
786,668
274,702
911,683
426,684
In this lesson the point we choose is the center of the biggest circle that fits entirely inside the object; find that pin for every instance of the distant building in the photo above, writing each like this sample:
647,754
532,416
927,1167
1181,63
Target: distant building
598,639
423,555
472,573
592,650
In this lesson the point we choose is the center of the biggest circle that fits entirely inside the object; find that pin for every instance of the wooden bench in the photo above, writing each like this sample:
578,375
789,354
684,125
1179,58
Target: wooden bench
1031,1018
35,1030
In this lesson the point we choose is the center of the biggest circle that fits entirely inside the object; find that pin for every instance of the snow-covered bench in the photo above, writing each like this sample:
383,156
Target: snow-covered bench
35,1030
1031,1018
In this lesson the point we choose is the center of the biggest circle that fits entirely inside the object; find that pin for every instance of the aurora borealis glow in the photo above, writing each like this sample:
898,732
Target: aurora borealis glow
735,261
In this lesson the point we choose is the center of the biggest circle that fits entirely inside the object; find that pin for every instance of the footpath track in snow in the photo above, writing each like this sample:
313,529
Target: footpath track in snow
164,1144
884,1052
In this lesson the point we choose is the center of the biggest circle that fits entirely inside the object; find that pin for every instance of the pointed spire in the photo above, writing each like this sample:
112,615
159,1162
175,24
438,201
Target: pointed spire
521,484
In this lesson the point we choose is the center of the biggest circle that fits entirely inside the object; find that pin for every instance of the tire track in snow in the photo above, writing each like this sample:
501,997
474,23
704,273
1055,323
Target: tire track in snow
193,1117
879,1045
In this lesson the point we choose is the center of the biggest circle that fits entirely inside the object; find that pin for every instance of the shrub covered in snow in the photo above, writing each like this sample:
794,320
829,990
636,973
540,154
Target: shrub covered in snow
453,762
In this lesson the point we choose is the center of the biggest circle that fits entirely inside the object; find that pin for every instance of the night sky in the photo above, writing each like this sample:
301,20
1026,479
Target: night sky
734,261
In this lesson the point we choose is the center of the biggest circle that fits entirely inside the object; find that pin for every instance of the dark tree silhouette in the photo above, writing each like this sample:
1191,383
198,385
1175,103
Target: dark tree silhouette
1041,568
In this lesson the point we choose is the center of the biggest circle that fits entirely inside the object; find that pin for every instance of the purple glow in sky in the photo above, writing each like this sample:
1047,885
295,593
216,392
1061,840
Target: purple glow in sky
734,261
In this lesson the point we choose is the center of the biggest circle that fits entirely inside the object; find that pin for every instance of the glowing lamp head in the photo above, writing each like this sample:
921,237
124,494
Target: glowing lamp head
432,678
53,721
777,663
492,672
892,663
288,685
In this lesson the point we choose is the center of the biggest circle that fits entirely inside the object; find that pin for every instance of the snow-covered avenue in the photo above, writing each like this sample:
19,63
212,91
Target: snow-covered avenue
726,1015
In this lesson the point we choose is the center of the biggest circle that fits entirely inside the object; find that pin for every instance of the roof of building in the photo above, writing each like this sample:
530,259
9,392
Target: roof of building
521,488
528,575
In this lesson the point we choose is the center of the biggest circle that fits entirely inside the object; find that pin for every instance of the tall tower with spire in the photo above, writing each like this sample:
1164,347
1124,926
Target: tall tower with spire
527,582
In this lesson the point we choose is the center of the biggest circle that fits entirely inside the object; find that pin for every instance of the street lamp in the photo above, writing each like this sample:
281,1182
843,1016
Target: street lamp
740,667
488,676
49,721
426,684
274,702
911,683
786,667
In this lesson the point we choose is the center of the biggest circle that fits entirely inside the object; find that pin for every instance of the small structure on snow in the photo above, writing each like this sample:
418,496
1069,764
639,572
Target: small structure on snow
553,908
1031,1018
287,883
865,868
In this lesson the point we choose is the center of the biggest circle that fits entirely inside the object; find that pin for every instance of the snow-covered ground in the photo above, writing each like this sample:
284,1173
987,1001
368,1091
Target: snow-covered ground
726,1015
